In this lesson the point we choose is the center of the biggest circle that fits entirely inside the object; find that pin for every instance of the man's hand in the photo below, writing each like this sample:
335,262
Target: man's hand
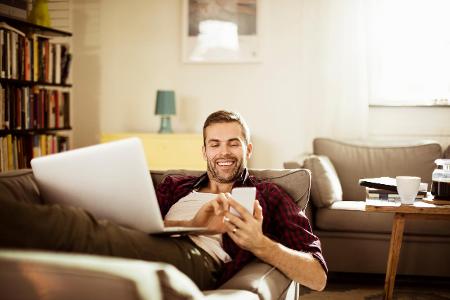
211,215
246,231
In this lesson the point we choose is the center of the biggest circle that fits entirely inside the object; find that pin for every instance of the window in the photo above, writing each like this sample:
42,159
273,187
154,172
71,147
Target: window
409,52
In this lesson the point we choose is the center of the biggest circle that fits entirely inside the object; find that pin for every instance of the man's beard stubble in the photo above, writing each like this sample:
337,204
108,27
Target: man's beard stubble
235,174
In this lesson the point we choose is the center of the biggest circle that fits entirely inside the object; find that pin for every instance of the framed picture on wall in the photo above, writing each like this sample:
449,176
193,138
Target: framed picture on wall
221,31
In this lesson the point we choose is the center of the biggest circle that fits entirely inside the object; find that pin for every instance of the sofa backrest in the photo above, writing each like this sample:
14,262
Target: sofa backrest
356,160
296,182
21,185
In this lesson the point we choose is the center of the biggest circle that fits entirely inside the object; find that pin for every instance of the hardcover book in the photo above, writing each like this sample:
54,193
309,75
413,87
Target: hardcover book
389,184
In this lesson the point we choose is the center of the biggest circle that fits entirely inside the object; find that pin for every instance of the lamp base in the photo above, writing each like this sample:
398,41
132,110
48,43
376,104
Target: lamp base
166,125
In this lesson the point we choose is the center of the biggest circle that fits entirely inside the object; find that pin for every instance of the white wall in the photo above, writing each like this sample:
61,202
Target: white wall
409,123
126,50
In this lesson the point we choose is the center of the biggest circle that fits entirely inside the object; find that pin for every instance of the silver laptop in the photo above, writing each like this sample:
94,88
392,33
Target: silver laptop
109,180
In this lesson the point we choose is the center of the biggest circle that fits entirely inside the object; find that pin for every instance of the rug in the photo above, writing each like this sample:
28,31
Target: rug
374,294
371,287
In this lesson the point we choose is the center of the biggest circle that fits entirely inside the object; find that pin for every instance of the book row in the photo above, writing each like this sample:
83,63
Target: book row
16,151
33,108
32,57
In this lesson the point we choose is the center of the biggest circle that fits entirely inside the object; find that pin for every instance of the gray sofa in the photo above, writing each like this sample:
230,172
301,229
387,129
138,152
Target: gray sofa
354,240
31,274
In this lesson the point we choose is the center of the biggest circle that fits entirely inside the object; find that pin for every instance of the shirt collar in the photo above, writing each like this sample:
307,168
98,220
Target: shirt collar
203,179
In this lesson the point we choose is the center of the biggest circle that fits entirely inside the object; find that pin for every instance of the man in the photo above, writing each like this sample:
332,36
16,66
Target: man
283,239
277,232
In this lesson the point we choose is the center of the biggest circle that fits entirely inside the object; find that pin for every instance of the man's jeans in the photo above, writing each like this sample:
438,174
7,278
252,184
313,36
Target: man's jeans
69,229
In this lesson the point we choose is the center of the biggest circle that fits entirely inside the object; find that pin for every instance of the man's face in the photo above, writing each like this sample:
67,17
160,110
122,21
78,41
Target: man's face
225,151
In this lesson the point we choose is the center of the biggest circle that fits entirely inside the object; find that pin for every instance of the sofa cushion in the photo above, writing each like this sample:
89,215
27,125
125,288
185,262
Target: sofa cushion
350,216
223,294
295,182
354,161
325,185
269,286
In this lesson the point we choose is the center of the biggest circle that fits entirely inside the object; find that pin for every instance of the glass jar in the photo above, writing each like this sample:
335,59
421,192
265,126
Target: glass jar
440,186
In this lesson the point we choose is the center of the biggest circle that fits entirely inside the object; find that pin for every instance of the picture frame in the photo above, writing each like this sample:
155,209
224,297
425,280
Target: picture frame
224,31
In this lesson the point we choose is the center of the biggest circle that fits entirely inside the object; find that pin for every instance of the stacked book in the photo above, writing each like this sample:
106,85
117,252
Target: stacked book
385,188
381,194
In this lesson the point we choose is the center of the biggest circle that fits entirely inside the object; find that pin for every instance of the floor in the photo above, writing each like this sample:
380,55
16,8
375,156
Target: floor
370,287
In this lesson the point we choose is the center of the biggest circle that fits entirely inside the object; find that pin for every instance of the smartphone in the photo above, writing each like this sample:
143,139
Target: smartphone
246,197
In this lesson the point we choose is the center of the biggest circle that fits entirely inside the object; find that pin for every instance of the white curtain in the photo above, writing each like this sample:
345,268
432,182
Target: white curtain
409,52
334,83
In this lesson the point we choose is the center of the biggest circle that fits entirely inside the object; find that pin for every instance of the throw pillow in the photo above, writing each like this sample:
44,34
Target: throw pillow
325,185
447,153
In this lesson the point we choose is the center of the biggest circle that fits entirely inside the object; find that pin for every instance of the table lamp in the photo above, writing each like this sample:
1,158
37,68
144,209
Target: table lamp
165,107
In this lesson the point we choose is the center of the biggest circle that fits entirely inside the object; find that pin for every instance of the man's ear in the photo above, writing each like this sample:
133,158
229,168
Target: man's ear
249,150
204,153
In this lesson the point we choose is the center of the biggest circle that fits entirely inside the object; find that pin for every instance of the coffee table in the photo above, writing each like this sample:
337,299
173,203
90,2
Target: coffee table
419,210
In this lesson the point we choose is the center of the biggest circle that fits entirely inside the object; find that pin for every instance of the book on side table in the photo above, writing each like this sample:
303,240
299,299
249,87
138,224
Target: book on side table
388,184
385,189
381,194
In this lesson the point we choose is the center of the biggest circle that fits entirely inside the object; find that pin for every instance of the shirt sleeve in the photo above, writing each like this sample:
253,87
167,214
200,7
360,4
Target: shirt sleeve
164,193
290,225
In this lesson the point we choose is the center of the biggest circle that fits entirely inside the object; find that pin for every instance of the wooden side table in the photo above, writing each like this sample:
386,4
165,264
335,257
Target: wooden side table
167,151
419,210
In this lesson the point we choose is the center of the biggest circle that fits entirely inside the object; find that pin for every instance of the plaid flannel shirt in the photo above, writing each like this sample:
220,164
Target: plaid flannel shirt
283,220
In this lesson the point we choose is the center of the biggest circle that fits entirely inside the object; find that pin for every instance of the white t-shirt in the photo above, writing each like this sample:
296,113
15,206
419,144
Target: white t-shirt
185,209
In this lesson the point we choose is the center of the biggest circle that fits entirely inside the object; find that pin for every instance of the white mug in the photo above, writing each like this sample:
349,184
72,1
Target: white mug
407,188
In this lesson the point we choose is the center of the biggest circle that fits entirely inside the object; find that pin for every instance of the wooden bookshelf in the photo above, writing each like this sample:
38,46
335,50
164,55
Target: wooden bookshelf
18,82
28,26
35,98
33,130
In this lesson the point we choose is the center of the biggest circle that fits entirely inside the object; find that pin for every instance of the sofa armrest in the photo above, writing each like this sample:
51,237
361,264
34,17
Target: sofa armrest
260,278
31,274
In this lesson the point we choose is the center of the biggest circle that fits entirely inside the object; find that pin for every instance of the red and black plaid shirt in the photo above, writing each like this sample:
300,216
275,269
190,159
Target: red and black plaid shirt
283,220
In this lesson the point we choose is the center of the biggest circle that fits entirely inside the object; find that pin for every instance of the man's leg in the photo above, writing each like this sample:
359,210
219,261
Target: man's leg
70,229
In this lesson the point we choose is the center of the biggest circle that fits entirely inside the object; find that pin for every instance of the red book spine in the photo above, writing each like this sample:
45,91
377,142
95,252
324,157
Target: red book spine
27,59
57,125
41,107
47,61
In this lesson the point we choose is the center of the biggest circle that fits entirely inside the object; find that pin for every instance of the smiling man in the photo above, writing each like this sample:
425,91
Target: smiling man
278,232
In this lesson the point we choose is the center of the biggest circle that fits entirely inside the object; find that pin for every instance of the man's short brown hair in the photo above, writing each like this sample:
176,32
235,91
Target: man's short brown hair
224,116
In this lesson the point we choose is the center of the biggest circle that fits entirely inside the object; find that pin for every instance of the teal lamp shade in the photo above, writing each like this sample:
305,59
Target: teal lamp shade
165,107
